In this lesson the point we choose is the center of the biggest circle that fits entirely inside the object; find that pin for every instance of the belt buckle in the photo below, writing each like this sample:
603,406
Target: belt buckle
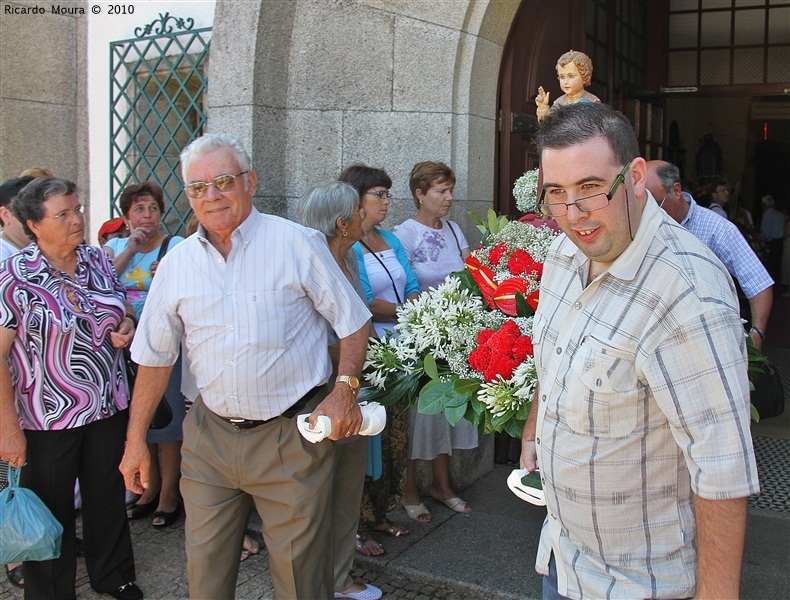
237,423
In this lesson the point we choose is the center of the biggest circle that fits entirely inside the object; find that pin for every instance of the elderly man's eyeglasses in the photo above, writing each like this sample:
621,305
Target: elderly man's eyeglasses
223,183
381,194
585,205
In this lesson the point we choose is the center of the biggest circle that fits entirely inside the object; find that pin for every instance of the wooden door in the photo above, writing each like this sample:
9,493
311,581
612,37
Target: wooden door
540,34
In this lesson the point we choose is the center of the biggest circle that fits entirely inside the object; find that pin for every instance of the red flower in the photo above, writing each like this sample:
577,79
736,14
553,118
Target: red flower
484,278
496,253
484,336
480,358
532,299
522,348
499,353
520,263
505,295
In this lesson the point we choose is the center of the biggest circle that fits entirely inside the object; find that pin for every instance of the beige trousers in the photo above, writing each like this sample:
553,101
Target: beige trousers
289,479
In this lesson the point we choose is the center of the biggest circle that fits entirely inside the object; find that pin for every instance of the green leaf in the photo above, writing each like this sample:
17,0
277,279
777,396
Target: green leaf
492,220
514,428
402,389
434,397
755,414
453,414
522,308
429,366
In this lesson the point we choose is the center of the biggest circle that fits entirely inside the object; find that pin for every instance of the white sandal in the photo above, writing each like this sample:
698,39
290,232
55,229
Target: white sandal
415,511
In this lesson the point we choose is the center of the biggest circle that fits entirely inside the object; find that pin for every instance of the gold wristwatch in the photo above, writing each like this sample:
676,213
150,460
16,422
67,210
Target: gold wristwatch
350,381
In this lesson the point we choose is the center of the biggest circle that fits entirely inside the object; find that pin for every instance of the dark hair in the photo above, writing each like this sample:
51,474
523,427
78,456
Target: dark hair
362,178
11,188
28,205
582,122
132,192
425,174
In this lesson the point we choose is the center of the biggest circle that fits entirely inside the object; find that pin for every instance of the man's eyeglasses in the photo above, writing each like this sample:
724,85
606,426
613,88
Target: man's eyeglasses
381,194
585,205
223,183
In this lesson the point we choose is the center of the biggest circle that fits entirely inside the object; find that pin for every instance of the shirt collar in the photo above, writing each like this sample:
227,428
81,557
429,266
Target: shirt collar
627,264
693,207
36,262
244,232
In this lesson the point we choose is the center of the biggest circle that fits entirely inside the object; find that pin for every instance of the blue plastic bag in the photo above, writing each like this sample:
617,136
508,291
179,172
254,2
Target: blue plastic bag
28,530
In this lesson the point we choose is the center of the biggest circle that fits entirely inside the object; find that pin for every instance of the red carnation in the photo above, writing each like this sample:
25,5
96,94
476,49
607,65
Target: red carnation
520,262
484,336
480,358
496,253
522,348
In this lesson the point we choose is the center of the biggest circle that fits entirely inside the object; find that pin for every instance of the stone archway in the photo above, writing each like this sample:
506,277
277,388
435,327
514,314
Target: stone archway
311,87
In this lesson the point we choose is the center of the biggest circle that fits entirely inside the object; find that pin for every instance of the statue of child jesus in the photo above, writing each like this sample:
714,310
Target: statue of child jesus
574,72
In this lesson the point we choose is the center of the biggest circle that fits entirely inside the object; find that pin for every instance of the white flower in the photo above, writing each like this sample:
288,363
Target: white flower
499,397
525,191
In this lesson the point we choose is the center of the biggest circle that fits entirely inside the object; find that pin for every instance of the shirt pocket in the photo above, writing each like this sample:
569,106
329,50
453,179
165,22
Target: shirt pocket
602,391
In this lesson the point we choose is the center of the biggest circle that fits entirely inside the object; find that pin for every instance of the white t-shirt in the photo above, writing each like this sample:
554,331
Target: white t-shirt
433,253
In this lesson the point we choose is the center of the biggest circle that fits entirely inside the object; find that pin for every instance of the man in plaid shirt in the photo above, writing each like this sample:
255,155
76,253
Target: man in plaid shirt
641,421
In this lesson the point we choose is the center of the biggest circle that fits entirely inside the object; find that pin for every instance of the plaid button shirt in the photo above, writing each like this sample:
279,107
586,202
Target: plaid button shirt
727,242
644,400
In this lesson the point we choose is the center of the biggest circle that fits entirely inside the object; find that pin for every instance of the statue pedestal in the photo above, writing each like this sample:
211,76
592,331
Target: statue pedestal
466,466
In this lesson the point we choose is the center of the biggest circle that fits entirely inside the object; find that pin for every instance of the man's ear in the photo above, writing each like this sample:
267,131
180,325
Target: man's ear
639,176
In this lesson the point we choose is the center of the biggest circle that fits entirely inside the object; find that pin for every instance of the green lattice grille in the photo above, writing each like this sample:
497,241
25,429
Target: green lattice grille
157,85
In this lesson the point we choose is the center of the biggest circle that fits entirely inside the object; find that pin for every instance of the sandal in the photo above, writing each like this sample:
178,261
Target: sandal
15,576
415,511
389,527
455,504
368,547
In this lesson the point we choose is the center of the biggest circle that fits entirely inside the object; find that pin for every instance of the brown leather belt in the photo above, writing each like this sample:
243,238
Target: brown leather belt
244,424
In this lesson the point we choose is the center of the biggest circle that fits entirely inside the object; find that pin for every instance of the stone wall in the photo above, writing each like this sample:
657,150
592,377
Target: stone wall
43,118
311,87
384,82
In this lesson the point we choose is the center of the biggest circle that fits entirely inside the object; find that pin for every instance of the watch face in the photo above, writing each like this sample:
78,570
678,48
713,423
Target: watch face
350,380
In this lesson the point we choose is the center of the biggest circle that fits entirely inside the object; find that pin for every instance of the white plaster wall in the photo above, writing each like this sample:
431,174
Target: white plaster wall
102,29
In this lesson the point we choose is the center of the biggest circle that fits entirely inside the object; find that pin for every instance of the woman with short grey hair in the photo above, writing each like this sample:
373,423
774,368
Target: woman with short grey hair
64,394
333,209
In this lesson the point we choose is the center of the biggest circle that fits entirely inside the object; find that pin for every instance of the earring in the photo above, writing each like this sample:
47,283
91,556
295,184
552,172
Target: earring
345,233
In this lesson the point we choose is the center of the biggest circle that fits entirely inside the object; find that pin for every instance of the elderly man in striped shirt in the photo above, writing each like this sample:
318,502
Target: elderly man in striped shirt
250,294
640,425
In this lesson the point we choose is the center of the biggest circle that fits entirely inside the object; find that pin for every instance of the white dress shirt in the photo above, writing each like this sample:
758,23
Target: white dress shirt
254,325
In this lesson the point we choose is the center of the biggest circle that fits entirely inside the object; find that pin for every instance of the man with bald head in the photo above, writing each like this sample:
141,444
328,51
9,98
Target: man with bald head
721,236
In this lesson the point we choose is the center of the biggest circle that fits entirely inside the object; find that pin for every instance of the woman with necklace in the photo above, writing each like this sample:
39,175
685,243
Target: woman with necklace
63,389
574,72
334,210
388,281
436,247
135,259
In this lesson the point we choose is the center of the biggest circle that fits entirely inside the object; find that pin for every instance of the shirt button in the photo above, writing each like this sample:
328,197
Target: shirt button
598,382
577,306
228,292
232,328
543,398
230,363
559,350
537,440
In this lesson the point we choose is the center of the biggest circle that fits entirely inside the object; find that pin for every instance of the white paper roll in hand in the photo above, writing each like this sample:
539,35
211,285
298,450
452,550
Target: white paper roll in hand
374,418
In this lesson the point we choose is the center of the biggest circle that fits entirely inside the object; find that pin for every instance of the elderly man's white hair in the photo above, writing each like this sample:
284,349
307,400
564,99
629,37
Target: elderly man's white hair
211,142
